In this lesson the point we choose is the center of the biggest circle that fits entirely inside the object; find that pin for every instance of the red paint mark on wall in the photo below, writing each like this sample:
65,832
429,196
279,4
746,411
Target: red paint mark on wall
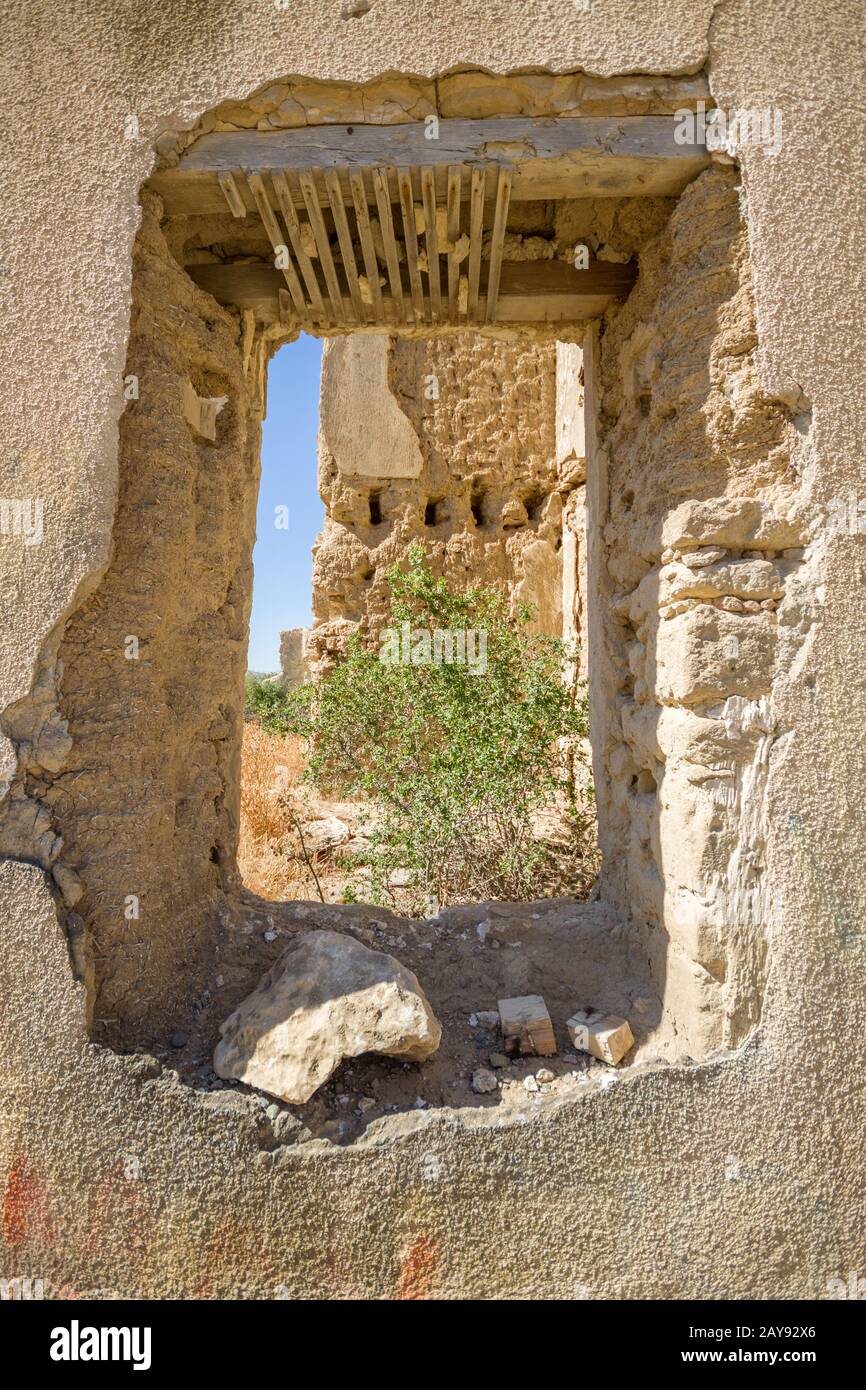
19,1196
417,1269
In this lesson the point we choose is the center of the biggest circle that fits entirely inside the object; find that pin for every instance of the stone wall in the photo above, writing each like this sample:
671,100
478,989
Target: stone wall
445,441
146,800
698,597
294,665
717,1180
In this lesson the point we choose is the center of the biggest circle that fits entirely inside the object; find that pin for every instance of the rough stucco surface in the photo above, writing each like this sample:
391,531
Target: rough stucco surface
705,593
733,1179
147,799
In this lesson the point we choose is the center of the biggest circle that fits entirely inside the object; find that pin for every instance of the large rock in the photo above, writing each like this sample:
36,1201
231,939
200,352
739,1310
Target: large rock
325,833
326,998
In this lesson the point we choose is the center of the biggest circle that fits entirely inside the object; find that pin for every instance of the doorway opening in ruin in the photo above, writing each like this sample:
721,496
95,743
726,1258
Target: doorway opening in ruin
449,448
391,235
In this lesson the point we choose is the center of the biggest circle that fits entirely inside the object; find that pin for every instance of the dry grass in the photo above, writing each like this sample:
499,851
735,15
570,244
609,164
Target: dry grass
268,852
270,855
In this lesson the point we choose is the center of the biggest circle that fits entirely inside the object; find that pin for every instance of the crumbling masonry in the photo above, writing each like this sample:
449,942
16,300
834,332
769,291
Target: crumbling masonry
723,618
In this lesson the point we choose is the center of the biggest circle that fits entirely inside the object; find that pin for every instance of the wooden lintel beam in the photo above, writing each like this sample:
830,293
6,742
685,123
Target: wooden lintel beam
555,157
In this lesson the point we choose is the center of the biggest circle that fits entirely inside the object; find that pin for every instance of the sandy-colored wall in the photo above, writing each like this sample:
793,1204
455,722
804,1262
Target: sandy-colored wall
734,1179
461,424
702,598
150,668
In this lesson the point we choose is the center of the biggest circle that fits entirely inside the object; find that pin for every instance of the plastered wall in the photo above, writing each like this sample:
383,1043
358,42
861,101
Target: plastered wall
728,1179
150,668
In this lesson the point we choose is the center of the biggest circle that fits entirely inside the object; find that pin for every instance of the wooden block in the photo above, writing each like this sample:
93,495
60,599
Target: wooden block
526,1027
201,412
603,1035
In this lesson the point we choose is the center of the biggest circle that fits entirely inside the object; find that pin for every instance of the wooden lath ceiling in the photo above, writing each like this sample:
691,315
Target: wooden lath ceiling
381,225
432,249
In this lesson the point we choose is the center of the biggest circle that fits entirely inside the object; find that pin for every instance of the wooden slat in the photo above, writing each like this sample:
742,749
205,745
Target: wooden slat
476,235
362,219
452,207
500,221
410,241
559,157
339,309
431,240
237,206
344,236
260,194
293,227
383,203
529,291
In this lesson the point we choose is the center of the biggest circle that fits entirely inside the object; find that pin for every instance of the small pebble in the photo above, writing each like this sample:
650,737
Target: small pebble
178,1039
544,1076
530,1083
270,936
498,1060
483,1081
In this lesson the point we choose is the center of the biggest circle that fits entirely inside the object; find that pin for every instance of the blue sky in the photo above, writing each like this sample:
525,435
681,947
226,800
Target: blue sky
281,559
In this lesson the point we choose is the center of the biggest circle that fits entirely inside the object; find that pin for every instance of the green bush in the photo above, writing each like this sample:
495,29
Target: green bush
456,756
268,702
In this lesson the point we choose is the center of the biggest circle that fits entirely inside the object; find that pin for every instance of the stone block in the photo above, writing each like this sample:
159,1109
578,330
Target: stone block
526,1027
603,1035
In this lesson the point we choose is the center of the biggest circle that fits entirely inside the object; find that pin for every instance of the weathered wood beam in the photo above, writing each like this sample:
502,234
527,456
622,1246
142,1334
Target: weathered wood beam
310,192
293,226
410,241
529,291
344,237
476,233
431,242
381,185
503,195
231,193
272,227
362,220
452,214
558,157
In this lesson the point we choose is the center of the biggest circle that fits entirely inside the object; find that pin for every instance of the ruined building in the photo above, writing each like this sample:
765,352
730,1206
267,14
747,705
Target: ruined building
472,446
530,213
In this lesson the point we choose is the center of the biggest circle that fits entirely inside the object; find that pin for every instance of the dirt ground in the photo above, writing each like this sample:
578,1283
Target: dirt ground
571,952
466,959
